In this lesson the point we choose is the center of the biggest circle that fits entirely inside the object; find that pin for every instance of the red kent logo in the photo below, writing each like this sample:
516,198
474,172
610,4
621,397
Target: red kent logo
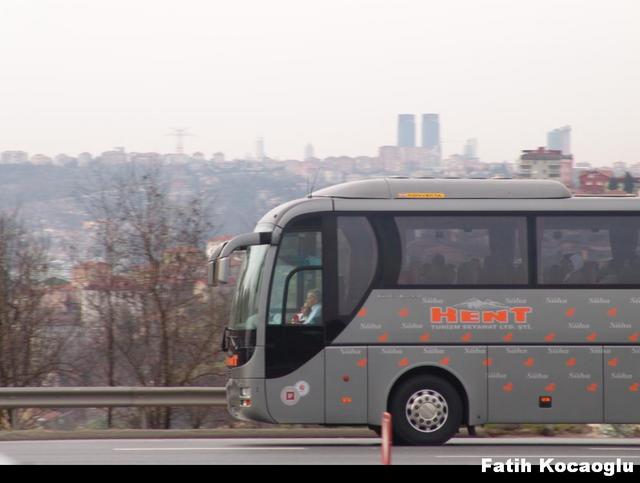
476,311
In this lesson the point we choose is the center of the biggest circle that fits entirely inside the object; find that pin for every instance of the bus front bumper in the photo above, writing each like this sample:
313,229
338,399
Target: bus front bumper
247,401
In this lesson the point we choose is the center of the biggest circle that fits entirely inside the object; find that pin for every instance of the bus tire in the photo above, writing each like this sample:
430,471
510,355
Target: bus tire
425,410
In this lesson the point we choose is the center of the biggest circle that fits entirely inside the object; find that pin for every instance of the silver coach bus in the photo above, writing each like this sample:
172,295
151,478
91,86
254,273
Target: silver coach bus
445,302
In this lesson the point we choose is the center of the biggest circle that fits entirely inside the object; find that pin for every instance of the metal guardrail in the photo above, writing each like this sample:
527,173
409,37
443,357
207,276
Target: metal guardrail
110,397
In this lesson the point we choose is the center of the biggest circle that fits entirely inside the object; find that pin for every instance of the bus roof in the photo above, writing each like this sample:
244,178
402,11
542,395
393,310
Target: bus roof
427,188
423,195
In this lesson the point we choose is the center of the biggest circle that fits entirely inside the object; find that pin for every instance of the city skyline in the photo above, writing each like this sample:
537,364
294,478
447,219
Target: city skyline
406,137
335,74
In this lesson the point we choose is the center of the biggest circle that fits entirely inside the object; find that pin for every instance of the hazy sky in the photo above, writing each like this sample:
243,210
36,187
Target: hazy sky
87,75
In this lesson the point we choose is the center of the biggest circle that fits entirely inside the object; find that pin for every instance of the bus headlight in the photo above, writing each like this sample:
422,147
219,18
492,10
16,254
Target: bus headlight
245,392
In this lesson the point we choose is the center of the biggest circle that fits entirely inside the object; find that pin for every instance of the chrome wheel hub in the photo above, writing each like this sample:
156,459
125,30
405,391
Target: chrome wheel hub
427,411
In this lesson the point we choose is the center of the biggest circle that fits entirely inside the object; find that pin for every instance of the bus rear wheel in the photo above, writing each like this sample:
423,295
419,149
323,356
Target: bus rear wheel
425,410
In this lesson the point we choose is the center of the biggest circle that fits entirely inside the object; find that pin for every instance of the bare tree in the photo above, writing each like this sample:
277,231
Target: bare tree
31,344
156,315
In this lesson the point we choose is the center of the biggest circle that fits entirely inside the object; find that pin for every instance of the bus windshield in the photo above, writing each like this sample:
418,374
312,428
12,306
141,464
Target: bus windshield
244,312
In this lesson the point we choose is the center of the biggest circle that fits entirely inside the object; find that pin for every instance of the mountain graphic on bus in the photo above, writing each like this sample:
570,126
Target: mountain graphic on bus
477,304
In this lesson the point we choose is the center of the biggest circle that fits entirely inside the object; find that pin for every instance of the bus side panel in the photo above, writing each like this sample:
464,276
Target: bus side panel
514,316
467,364
298,397
346,385
570,376
622,384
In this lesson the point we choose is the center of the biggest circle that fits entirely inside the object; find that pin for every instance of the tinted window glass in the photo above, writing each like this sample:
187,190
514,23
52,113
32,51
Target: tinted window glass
591,250
298,249
357,261
244,310
462,250
304,297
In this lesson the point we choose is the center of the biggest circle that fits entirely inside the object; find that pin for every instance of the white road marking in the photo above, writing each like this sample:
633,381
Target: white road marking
233,448
616,449
5,460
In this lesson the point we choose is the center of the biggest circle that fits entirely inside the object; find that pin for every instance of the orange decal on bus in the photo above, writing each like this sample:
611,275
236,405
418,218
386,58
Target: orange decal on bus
593,387
362,363
529,362
404,362
635,387
425,196
425,337
508,387
592,336
612,312
445,361
551,387
550,336
467,337
384,337
362,312
404,312
487,362
613,362
570,312
634,337
571,362
508,337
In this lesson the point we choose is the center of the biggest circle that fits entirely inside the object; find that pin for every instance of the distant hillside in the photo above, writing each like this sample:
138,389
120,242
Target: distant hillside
49,197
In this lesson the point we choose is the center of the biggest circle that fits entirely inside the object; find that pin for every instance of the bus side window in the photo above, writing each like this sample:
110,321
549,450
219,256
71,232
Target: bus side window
588,250
463,250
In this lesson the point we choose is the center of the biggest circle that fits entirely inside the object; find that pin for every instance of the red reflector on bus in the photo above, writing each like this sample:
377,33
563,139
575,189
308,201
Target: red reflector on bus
232,361
544,401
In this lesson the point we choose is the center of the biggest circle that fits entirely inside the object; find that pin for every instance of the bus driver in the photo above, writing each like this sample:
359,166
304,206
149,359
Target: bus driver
311,311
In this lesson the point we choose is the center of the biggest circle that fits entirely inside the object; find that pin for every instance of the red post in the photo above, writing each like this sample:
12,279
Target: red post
386,438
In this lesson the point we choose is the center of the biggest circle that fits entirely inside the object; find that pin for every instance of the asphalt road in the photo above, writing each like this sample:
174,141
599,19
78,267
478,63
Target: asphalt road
312,451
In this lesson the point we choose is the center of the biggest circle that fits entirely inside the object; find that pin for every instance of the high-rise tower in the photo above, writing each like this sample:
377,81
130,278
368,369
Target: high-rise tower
406,130
560,139
431,131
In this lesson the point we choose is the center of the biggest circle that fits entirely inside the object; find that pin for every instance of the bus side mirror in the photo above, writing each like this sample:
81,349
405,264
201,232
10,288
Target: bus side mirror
218,271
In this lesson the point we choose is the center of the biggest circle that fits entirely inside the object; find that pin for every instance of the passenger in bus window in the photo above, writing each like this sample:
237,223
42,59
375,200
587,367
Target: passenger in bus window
440,271
582,272
469,272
